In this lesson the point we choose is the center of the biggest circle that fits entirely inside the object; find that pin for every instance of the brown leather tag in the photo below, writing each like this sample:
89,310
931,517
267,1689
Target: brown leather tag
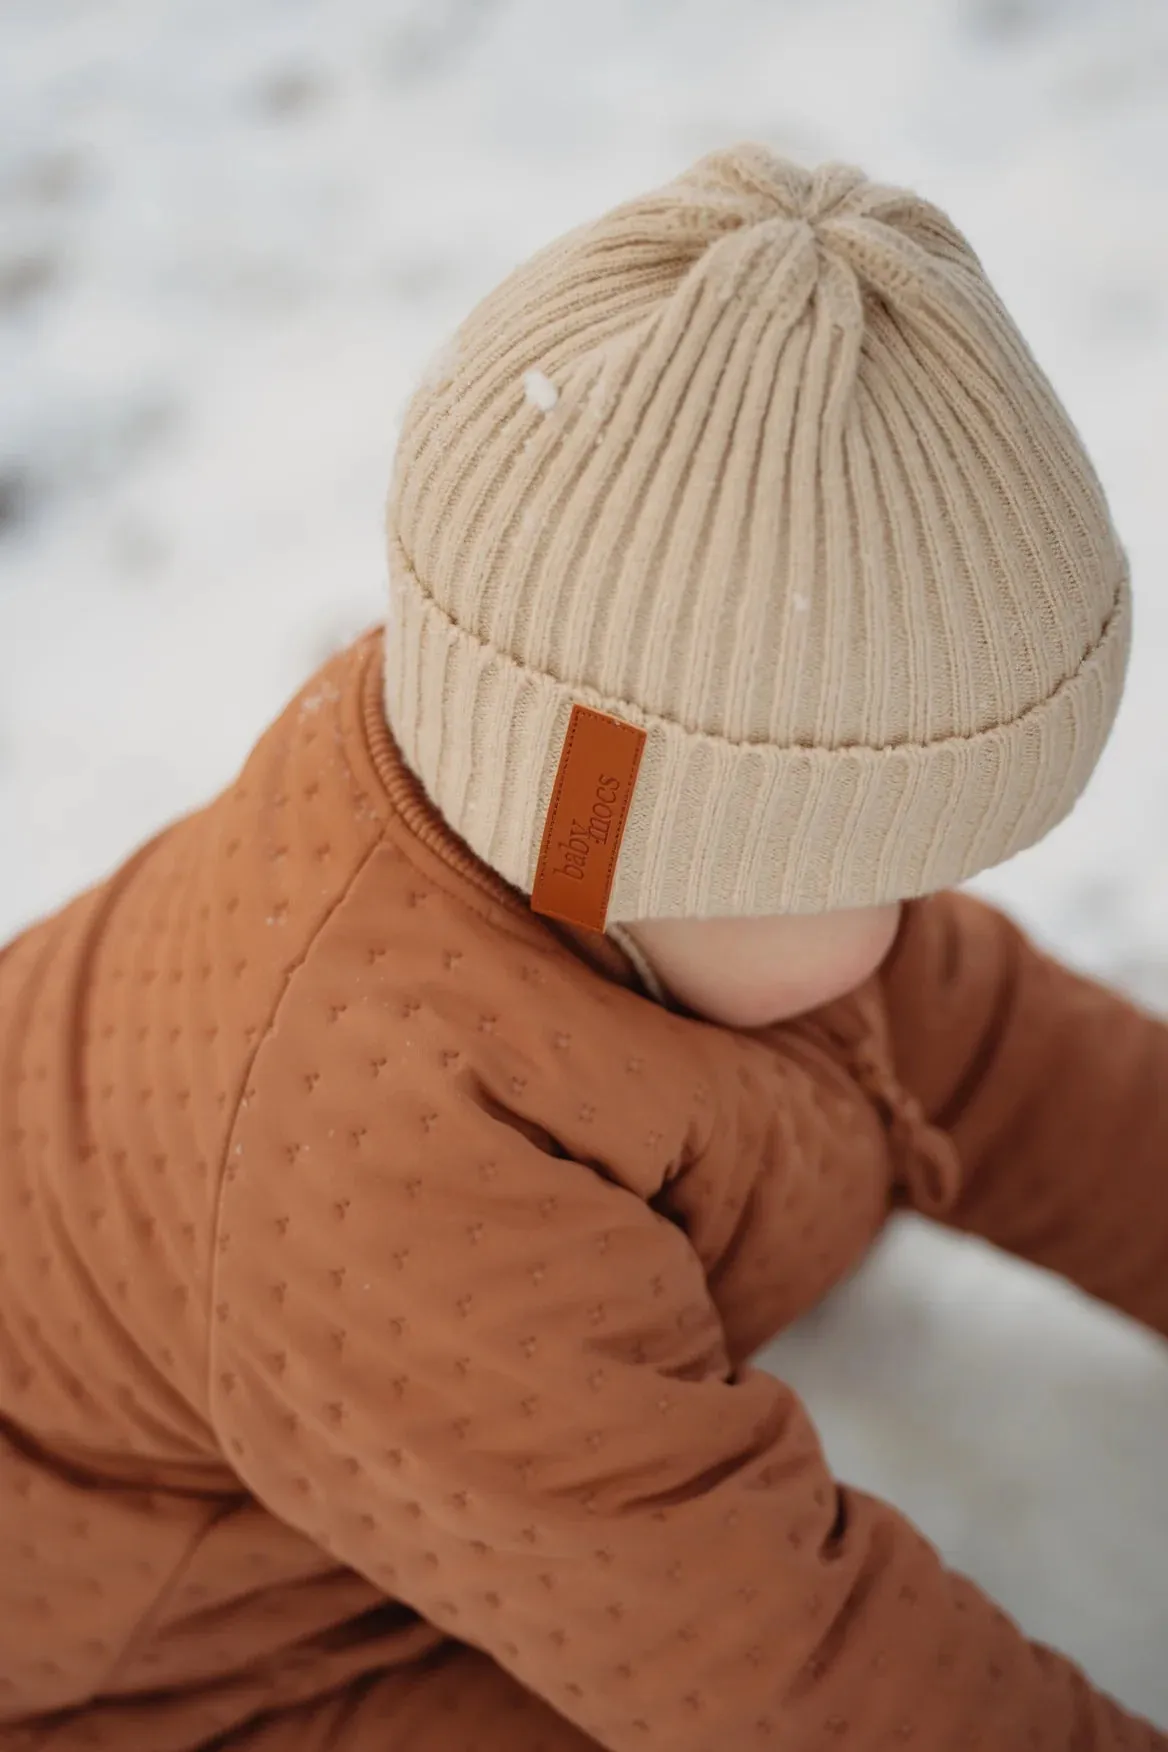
586,818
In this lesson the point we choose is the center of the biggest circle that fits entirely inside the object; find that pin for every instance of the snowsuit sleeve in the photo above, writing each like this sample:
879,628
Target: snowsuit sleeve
1055,1092
478,1369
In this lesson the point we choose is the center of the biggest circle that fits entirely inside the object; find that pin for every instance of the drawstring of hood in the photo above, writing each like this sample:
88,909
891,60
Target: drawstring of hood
928,1166
928,1174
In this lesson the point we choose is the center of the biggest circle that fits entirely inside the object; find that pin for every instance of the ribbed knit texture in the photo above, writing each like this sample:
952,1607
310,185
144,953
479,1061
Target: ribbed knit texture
804,508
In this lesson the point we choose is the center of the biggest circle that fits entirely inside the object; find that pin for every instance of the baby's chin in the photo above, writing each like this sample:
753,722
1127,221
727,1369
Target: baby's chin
772,1000
767,1009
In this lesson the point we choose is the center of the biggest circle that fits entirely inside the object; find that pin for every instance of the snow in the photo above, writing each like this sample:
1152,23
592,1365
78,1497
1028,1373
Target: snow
233,231
540,391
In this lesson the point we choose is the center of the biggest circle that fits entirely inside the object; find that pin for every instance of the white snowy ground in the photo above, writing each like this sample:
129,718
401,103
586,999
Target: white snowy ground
231,233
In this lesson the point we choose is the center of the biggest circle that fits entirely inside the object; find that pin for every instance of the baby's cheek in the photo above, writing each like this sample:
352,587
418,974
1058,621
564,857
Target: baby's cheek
753,973
862,944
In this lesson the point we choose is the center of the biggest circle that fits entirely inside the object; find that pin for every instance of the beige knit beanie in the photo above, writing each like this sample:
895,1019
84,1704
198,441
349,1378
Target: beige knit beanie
758,466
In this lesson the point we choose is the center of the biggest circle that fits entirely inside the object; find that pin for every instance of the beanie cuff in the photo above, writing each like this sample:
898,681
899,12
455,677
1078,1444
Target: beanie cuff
720,828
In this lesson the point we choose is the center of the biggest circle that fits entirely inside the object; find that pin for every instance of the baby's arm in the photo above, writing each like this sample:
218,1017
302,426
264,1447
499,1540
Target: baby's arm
495,1382
1055,1091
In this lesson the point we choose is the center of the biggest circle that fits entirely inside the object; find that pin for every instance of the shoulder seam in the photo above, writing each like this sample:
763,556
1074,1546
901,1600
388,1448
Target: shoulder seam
292,970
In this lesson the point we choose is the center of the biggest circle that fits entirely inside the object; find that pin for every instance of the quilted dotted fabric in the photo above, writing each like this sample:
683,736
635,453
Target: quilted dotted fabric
379,1274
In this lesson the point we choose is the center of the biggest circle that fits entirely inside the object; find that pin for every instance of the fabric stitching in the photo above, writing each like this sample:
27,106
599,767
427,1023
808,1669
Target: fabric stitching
249,1063
102,1693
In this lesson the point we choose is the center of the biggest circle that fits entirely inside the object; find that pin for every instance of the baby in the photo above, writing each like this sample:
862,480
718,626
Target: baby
402,1158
